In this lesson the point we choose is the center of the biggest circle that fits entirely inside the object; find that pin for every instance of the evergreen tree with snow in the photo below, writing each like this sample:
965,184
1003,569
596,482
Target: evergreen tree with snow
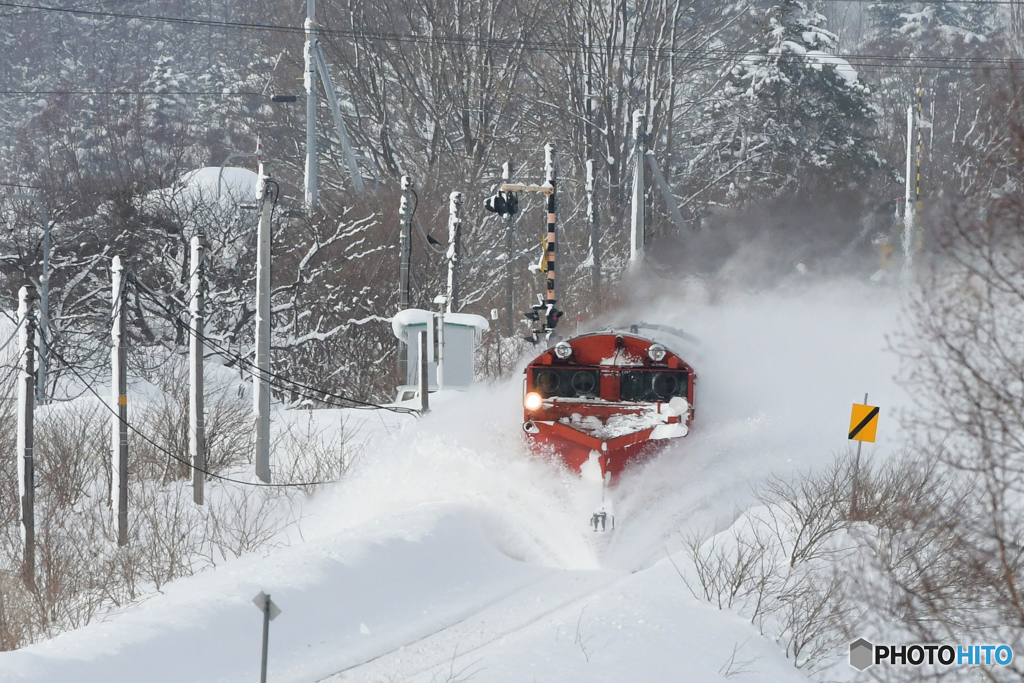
792,114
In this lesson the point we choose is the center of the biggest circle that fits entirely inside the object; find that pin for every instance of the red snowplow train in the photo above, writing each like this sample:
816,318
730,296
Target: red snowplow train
605,399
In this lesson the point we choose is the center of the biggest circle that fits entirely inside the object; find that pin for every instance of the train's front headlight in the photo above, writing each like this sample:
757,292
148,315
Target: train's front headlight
563,350
533,401
656,352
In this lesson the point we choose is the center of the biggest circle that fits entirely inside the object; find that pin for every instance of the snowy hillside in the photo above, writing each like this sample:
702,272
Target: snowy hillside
449,553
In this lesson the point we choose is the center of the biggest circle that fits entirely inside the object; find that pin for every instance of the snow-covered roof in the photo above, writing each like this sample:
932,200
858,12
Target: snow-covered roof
239,183
417,316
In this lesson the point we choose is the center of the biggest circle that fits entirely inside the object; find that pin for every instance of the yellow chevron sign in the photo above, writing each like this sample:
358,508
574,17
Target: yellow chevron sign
863,423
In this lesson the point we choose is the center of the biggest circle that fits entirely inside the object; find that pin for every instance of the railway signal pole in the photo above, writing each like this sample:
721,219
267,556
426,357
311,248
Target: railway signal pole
26,439
510,245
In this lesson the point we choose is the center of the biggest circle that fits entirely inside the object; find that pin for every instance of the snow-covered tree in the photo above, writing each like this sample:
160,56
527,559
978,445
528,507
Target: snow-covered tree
791,113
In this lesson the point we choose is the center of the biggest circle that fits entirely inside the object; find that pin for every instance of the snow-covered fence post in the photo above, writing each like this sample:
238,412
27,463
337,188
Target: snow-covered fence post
196,414
119,398
637,233
595,234
405,264
454,249
424,379
260,379
26,404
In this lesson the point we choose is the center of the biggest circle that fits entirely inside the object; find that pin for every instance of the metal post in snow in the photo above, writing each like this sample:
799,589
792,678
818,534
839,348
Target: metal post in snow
261,386
26,407
196,414
637,233
510,221
405,265
423,374
454,250
119,398
854,512
595,242
309,81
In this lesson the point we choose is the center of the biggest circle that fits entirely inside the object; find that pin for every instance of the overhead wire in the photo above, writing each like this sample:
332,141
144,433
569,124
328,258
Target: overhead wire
282,382
862,60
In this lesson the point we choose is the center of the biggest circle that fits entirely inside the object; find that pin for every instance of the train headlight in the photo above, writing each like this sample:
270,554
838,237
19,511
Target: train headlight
656,352
533,401
563,350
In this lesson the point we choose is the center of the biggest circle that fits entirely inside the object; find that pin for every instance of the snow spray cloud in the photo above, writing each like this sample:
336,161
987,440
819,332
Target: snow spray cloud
864,654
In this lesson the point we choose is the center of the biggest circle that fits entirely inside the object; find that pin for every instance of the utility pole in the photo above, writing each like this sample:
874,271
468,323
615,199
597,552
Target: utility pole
454,250
908,202
119,389
423,374
44,292
309,81
637,233
26,439
550,175
196,414
595,243
510,245
260,383
405,210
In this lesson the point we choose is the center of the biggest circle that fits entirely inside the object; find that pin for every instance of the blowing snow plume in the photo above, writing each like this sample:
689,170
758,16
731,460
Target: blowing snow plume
777,373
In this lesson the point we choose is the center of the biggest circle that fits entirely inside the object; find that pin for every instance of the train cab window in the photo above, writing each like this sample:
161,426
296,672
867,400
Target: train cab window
652,386
566,382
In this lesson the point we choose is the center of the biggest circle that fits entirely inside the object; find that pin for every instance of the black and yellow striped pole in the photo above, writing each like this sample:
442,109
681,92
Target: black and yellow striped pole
545,312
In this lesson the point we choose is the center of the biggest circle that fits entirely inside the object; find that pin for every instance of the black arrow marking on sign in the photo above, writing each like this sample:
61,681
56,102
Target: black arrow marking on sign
864,423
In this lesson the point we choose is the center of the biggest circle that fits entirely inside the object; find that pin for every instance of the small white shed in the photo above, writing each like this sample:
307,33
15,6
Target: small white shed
461,335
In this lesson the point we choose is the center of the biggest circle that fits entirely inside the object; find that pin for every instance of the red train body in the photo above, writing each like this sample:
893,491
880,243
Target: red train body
607,399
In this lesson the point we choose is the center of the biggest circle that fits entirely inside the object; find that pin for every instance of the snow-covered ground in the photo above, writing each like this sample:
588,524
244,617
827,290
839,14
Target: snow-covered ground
451,553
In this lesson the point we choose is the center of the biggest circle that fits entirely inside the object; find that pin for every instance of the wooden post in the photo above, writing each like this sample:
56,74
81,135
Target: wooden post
454,249
26,404
196,413
119,398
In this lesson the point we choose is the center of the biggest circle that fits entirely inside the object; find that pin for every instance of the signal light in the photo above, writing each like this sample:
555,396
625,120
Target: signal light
533,401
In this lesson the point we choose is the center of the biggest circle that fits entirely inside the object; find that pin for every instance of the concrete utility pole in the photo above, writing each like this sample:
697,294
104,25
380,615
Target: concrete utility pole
119,398
595,234
405,211
196,414
510,245
260,383
44,292
26,407
454,250
908,201
637,232
309,81
423,375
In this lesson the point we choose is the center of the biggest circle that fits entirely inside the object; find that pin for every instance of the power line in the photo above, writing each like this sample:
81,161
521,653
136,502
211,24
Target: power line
169,454
289,384
157,93
866,61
